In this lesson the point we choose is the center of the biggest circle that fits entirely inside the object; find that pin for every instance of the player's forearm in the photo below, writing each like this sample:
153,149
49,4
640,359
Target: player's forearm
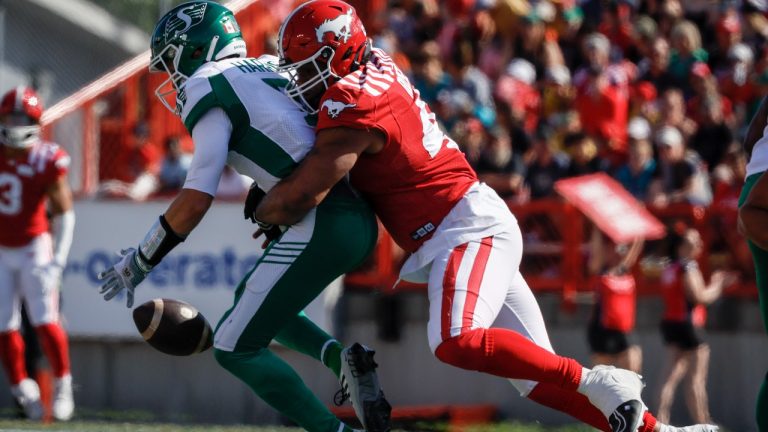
187,210
286,205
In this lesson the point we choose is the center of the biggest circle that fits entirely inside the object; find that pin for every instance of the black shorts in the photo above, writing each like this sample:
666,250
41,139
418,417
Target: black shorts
606,341
682,334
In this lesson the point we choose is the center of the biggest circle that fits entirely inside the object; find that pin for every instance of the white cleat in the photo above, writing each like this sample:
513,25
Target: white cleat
616,393
63,401
27,394
360,384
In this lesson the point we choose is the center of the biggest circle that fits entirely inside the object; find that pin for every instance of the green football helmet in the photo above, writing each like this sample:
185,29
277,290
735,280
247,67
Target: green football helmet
185,38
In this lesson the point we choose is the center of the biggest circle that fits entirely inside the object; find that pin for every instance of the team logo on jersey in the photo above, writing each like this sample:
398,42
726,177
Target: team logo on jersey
339,26
335,107
184,20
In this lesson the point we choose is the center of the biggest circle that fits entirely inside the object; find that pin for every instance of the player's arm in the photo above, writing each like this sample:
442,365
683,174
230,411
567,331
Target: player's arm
62,219
211,136
756,127
335,152
753,214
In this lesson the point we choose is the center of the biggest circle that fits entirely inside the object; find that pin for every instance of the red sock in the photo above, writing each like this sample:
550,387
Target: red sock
54,343
649,422
509,354
12,356
570,402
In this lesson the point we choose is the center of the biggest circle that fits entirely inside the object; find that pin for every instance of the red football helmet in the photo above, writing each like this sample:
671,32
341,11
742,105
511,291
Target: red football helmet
320,42
20,112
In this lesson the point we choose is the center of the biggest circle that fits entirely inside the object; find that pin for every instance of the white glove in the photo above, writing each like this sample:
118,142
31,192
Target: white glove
126,274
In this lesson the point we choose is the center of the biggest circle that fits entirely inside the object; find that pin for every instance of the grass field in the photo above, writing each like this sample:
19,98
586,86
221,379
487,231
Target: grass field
98,426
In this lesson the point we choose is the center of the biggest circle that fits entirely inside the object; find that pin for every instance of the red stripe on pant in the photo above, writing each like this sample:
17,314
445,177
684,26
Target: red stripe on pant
12,356
449,288
474,282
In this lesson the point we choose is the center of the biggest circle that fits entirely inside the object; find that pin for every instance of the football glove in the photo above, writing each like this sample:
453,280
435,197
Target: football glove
255,195
271,232
126,274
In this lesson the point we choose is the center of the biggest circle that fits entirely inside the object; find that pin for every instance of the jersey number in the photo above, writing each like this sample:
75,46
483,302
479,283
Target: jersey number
10,194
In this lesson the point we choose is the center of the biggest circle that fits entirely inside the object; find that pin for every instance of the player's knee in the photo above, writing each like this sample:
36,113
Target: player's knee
232,360
466,351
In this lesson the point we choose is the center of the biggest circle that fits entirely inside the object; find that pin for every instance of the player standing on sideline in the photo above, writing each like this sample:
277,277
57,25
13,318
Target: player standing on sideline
235,111
374,127
33,172
753,217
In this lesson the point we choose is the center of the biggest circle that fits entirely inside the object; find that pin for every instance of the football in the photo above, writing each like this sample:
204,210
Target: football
173,327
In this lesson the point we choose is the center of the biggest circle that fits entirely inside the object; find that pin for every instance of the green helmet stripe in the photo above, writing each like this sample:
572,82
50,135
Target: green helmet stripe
246,140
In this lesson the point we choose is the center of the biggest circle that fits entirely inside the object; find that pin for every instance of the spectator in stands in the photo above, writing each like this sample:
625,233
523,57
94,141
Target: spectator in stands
713,136
738,83
546,166
613,318
516,90
686,50
602,98
678,177
727,34
135,169
672,112
637,173
501,166
430,78
655,67
583,155
686,296
173,170
704,86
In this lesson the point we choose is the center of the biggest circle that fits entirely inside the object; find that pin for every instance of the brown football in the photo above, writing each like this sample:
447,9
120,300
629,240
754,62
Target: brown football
173,327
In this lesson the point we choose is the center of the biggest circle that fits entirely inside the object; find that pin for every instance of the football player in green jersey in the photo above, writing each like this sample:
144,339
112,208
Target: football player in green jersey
753,223
234,108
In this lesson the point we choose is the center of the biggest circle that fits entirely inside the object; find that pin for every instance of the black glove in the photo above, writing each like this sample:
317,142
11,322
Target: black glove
271,232
255,195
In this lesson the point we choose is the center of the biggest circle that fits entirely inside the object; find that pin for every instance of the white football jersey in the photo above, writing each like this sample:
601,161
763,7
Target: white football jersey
758,162
270,133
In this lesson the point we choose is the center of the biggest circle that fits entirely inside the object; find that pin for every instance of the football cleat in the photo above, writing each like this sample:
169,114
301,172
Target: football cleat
616,393
63,401
360,384
696,428
27,395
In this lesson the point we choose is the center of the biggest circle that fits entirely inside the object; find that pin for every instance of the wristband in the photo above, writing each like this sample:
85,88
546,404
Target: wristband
160,240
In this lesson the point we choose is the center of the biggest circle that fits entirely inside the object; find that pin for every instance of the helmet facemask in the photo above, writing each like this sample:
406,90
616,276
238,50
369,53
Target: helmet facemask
306,77
168,61
18,131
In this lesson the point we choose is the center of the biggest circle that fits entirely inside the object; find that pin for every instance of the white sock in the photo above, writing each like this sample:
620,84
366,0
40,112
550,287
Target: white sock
584,372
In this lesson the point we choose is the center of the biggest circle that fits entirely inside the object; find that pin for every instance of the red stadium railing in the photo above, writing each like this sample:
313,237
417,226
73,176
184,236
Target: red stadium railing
555,251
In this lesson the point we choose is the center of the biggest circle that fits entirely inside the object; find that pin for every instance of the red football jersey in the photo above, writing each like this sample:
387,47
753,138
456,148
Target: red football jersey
23,186
420,174
677,307
617,301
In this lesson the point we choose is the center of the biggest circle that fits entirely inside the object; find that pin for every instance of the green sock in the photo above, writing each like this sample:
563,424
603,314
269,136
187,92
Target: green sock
304,336
762,406
277,384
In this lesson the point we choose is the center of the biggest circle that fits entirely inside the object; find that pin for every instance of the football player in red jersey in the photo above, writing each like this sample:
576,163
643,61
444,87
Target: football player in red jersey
32,254
464,242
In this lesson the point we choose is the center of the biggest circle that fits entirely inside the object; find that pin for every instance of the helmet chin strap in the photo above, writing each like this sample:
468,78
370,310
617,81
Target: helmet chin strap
363,54
212,48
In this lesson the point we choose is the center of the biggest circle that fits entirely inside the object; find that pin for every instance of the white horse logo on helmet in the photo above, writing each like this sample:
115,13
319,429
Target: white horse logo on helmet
339,26
335,107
